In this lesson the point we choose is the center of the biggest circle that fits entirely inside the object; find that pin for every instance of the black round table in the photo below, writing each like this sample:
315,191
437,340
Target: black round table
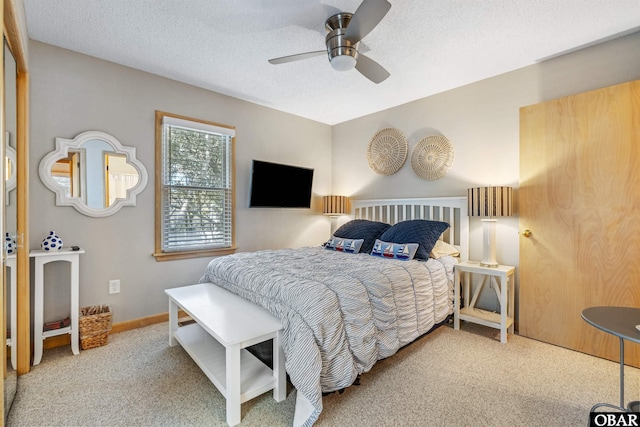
621,322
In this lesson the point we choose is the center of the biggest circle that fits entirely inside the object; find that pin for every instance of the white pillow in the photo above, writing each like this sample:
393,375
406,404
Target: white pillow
443,248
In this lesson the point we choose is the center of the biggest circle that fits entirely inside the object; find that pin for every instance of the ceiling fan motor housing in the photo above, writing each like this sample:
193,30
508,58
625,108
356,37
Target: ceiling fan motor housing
343,54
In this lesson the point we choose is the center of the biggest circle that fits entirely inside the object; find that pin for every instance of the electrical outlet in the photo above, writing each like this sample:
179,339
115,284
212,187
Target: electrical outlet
114,286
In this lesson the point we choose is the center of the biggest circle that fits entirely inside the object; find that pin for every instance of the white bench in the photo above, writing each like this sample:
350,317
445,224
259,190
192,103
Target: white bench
225,325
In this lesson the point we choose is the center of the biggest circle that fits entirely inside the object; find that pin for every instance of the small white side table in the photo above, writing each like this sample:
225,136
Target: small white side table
41,258
502,277
13,305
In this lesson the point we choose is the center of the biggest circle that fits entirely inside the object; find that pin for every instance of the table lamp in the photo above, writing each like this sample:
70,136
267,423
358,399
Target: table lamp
335,205
489,202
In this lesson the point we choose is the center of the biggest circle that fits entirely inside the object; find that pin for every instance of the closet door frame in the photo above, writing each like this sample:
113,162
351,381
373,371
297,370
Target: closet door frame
15,32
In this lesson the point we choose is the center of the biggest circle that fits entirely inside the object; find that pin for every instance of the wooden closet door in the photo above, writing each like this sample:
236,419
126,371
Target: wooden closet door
580,197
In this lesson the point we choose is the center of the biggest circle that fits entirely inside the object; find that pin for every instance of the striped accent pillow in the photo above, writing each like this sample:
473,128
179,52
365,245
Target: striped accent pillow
350,246
401,251
364,229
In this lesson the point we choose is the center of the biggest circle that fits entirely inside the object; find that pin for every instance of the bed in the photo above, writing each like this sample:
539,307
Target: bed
375,285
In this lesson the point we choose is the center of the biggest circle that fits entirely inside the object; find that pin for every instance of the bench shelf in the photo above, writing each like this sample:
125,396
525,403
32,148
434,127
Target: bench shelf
255,377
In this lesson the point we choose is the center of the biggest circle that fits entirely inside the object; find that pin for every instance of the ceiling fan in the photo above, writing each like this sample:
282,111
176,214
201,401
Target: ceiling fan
344,32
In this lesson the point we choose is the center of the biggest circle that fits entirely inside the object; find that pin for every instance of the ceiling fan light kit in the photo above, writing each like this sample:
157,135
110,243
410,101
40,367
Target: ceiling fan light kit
343,62
344,32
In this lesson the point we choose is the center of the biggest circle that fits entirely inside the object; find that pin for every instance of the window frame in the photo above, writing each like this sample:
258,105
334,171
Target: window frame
159,254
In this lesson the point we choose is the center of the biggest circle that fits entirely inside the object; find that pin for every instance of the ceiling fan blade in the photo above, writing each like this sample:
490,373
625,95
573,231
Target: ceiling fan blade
371,69
297,57
365,19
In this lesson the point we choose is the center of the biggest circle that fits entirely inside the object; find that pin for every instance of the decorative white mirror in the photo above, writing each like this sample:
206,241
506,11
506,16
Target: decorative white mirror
94,173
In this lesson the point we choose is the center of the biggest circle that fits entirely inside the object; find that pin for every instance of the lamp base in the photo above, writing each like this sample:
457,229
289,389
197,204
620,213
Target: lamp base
489,243
487,264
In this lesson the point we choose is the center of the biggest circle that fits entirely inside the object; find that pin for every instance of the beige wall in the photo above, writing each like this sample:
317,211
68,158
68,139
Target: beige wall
482,122
72,93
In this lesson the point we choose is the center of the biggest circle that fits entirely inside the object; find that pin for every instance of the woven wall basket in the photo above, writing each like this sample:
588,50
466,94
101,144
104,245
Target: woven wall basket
387,151
432,157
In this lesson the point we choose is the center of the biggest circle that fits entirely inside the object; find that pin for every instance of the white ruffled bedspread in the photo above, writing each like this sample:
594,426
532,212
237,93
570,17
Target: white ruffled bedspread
341,312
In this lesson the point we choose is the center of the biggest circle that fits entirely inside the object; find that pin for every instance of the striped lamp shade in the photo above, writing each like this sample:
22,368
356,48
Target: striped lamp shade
335,205
490,201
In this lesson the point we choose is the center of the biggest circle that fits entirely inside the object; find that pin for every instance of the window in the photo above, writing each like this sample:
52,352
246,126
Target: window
194,188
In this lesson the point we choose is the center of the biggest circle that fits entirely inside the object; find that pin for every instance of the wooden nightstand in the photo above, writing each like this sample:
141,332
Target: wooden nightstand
502,277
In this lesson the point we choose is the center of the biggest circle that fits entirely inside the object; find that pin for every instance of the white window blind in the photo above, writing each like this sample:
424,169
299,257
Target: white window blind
197,197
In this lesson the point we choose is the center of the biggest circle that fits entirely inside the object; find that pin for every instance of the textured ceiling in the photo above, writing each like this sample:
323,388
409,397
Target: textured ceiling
428,46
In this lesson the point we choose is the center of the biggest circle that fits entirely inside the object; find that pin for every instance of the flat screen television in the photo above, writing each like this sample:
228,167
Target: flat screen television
274,185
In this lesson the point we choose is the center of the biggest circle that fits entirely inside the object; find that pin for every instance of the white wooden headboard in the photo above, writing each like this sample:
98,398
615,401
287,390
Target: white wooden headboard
452,210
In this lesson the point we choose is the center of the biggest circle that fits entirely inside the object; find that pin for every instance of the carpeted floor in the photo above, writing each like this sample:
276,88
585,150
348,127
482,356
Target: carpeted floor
462,378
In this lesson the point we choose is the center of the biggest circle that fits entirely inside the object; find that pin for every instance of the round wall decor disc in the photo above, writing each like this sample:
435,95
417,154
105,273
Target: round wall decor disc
387,151
432,157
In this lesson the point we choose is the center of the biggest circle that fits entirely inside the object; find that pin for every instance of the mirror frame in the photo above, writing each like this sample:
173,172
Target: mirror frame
63,146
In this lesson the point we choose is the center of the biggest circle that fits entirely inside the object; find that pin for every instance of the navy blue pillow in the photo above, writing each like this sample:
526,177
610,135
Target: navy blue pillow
421,231
362,229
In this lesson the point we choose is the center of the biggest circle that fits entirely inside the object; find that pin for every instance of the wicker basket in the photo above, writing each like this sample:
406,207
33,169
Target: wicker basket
94,326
